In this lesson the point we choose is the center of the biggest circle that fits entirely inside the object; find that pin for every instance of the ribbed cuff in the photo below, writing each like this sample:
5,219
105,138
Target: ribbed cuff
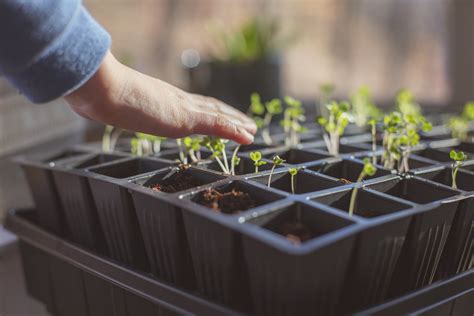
67,64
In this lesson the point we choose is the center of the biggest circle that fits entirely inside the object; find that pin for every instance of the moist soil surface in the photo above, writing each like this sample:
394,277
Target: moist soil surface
231,202
296,232
179,181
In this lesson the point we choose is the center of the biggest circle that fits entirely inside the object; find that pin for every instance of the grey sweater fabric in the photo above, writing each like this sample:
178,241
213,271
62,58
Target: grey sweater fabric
49,48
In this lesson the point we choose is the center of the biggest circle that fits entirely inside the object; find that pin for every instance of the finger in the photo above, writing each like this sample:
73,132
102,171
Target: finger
220,107
224,127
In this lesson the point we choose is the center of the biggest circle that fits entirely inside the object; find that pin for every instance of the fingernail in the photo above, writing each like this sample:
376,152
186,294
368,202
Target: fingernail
247,135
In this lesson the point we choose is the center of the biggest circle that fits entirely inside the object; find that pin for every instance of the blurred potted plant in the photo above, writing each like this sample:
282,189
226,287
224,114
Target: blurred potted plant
244,60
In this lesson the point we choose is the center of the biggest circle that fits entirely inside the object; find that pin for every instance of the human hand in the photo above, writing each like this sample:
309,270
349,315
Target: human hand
120,96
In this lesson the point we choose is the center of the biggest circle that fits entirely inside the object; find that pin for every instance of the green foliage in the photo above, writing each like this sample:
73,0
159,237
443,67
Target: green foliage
401,133
217,147
458,158
256,39
334,125
459,127
293,171
256,157
276,160
145,144
274,106
256,105
363,107
369,170
293,116
406,103
468,112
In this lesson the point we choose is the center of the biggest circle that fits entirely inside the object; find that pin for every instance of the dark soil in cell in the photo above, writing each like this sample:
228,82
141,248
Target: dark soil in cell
367,213
231,202
179,181
295,231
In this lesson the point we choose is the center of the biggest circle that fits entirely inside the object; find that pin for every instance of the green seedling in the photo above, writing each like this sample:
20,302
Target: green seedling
363,108
293,172
110,138
406,103
192,148
256,109
368,171
217,147
334,126
293,116
373,132
468,112
325,93
277,161
273,108
144,144
458,158
256,157
459,125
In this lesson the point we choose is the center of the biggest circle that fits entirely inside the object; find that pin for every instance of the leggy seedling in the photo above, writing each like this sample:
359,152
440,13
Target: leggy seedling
334,125
293,172
363,108
458,158
144,144
277,161
273,108
293,115
368,170
256,157
256,109
192,146
110,138
217,147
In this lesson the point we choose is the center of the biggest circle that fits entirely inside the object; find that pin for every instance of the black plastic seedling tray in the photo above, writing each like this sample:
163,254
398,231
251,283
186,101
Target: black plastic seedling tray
70,280
407,232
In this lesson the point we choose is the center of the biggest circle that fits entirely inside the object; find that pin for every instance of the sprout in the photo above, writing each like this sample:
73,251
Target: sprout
368,170
325,92
401,132
217,147
277,161
192,147
110,138
373,131
293,172
144,144
293,115
363,108
468,112
458,160
334,125
273,108
256,157
459,127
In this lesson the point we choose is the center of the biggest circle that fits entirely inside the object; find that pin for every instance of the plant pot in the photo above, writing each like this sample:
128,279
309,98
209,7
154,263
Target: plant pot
304,181
162,227
114,205
216,248
464,179
39,175
289,279
427,233
234,82
79,209
346,169
378,245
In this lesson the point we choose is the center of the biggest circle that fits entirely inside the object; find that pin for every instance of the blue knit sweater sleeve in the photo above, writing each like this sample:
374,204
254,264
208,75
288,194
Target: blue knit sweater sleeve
49,48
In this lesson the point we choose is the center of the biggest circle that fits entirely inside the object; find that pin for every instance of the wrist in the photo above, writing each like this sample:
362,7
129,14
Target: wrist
101,92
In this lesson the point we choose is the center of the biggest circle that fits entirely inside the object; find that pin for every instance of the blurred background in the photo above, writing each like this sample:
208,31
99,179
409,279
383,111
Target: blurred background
228,48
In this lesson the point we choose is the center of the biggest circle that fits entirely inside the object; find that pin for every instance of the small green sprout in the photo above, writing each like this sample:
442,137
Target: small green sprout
277,161
293,172
110,138
373,131
458,158
325,92
368,170
192,147
406,103
144,144
217,147
468,112
256,157
273,107
293,116
334,125
459,125
363,108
